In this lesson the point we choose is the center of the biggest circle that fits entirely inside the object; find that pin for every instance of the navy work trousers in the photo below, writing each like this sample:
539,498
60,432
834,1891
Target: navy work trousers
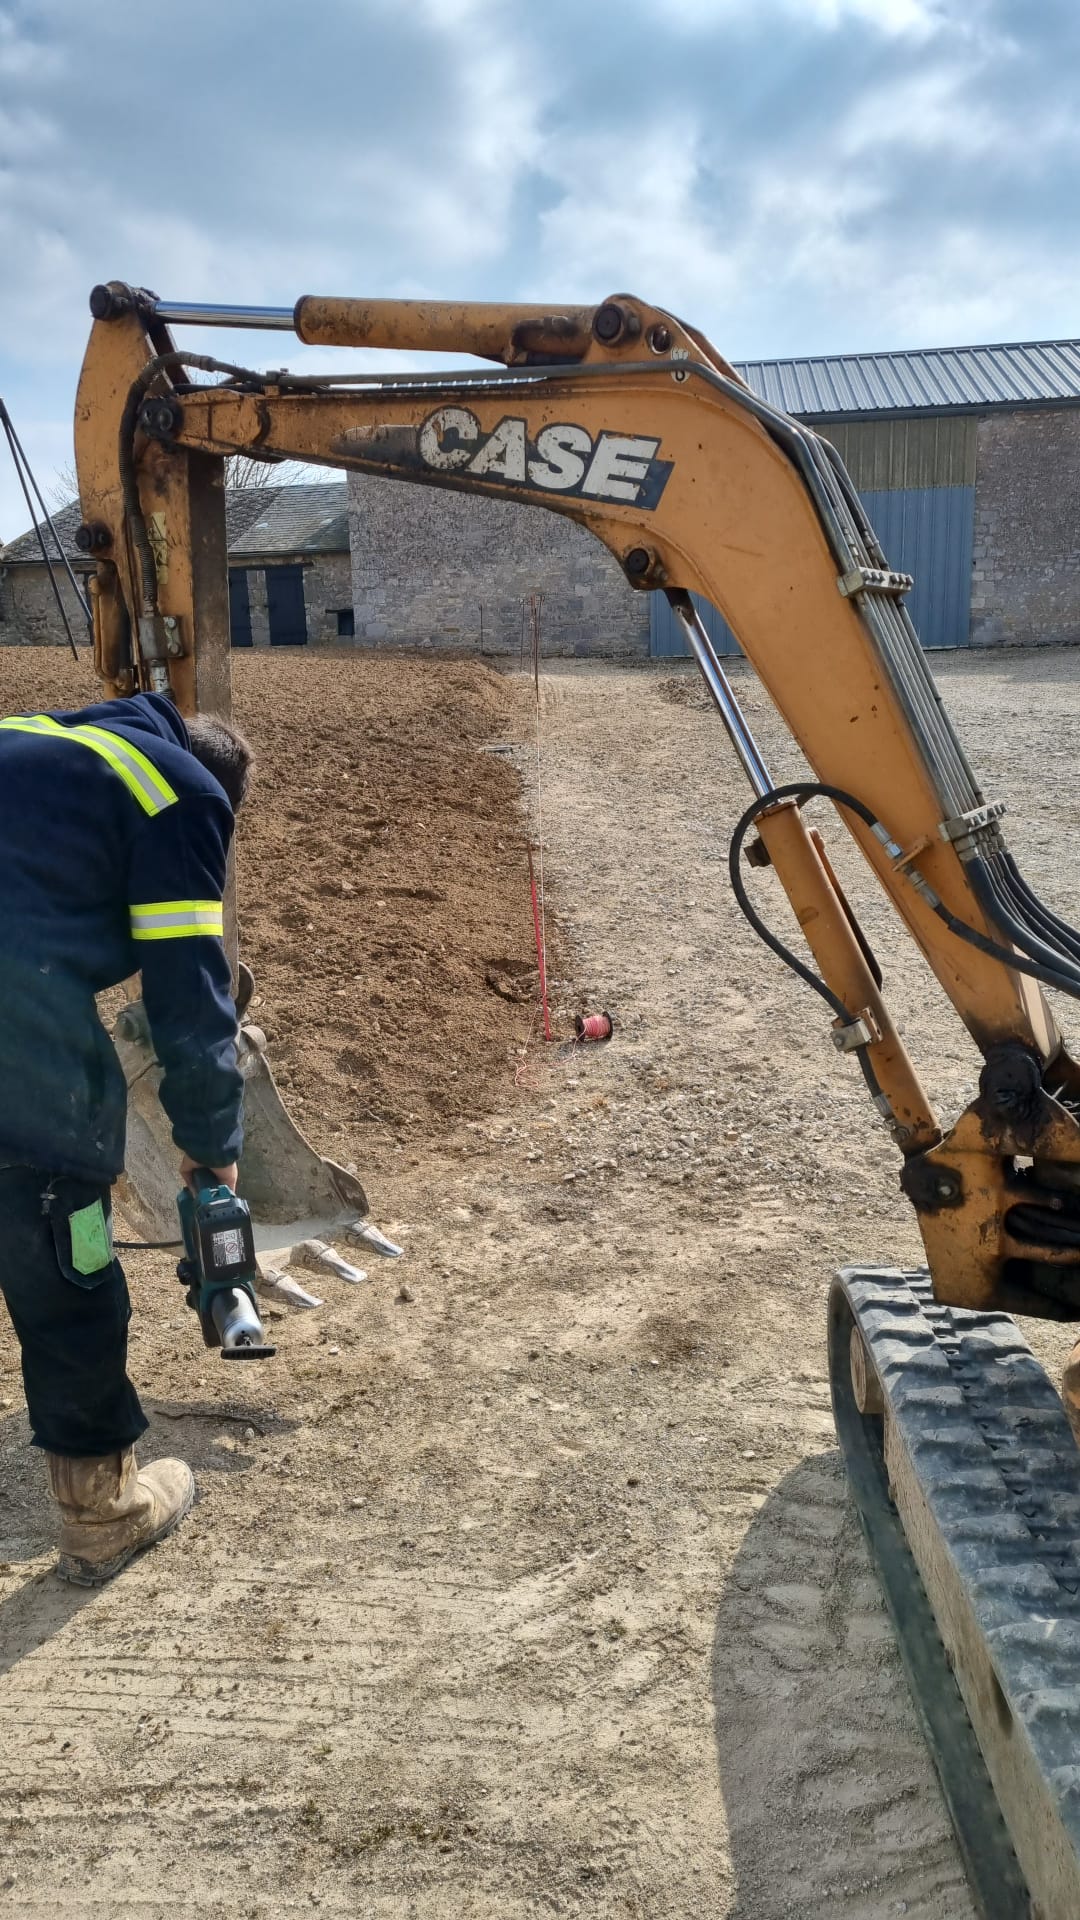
71,1326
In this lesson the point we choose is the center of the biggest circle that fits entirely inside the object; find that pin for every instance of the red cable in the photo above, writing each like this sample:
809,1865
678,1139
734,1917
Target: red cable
539,947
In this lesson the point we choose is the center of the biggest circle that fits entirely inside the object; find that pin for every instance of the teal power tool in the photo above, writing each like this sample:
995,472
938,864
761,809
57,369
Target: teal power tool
219,1268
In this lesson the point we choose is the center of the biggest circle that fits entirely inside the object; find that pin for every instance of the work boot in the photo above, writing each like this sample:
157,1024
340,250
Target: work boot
109,1511
1070,1391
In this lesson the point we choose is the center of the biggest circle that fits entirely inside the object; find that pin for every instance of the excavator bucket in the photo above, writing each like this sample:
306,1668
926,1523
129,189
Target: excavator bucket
294,1194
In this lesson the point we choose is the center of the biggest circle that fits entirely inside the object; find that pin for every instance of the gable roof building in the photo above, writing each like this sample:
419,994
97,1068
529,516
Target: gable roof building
302,528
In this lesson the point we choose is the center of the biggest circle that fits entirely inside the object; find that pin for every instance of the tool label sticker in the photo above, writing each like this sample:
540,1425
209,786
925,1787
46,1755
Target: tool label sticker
228,1247
562,459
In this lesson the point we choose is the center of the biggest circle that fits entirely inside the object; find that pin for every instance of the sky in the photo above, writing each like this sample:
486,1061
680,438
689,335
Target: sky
791,176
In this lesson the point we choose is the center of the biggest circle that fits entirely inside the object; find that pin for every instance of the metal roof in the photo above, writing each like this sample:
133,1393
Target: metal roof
1032,373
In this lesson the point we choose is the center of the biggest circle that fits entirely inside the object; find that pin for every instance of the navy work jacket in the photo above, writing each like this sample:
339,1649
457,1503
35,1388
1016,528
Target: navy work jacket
113,848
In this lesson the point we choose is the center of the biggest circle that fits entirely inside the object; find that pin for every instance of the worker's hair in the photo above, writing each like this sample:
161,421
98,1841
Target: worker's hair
224,752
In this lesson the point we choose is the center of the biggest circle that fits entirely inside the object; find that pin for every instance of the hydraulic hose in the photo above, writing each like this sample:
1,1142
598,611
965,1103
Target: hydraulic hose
1050,922
161,363
1037,958
799,789
1020,921
1057,973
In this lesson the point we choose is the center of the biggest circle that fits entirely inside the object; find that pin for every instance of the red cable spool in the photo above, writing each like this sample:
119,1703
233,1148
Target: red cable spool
594,1026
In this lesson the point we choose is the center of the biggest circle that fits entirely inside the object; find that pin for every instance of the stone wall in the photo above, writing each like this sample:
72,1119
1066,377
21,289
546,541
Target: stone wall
28,613
1026,573
327,590
436,568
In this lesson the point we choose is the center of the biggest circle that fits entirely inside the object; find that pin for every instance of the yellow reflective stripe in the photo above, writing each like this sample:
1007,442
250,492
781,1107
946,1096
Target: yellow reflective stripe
138,774
176,919
133,758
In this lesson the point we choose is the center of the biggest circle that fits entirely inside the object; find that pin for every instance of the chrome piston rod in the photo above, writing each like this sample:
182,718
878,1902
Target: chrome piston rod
189,313
720,687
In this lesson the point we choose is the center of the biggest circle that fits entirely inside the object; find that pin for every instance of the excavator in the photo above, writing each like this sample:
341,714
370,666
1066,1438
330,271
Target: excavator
959,1450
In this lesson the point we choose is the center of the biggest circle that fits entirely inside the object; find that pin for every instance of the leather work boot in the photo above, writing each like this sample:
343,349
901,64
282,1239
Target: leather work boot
109,1511
1070,1391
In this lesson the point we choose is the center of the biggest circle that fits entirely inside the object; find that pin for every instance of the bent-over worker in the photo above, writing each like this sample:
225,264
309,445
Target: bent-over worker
117,824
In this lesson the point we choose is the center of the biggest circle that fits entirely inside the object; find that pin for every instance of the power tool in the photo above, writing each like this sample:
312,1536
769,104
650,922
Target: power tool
219,1268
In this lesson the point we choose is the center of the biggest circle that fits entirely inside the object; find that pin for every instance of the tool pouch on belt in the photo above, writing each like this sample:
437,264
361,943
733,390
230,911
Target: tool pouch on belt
80,1214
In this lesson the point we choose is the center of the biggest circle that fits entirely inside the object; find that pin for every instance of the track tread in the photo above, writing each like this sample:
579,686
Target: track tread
988,1438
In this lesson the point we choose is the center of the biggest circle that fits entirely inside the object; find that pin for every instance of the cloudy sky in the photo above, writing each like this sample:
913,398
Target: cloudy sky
794,176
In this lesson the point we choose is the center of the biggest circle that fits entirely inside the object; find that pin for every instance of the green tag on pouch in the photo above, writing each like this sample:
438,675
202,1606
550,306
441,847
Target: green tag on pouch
91,1239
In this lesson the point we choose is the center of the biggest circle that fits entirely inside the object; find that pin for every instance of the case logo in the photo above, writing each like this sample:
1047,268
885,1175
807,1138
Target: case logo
564,458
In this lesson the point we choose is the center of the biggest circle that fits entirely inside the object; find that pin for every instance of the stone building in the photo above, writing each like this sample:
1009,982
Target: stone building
465,572
289,576
289,572
28,613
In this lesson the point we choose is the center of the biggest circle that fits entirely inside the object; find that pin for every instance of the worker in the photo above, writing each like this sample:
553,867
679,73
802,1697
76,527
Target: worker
117,821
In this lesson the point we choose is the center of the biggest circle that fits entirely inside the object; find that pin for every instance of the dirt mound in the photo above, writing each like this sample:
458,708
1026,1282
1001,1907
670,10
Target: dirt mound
685,690
384,896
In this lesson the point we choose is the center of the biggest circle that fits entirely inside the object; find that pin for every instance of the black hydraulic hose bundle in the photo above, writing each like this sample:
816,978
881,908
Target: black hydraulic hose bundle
1060,971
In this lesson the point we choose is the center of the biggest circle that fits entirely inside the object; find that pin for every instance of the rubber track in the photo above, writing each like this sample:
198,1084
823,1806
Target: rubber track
993,1453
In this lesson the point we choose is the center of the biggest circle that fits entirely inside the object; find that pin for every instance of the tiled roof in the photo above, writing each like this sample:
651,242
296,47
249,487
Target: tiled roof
258,520
27,547
308,519
242,506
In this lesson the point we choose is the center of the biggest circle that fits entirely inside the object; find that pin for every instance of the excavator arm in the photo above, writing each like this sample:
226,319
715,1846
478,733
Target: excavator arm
631,424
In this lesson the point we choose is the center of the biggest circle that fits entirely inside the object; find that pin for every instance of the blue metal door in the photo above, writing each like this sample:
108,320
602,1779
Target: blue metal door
930,532
666,639
925,531
239,608
285,606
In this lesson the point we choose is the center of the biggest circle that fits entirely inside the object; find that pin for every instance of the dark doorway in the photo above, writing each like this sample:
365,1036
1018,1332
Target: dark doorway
285,606
239,608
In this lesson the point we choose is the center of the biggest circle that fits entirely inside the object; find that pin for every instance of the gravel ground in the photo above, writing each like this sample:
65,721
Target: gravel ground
540,1592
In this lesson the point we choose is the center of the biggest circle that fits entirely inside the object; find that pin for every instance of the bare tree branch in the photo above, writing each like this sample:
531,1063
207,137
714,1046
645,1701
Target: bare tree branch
65,487
242,471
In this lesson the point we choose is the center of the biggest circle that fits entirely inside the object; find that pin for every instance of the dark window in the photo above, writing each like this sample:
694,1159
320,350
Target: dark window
346,623
239,608
285,606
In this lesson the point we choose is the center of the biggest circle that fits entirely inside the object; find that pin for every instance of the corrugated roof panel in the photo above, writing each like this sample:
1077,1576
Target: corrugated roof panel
1026,374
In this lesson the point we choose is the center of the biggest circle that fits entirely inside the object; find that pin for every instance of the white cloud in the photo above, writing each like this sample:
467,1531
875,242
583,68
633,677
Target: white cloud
790,175
657,235
24,57
918,18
